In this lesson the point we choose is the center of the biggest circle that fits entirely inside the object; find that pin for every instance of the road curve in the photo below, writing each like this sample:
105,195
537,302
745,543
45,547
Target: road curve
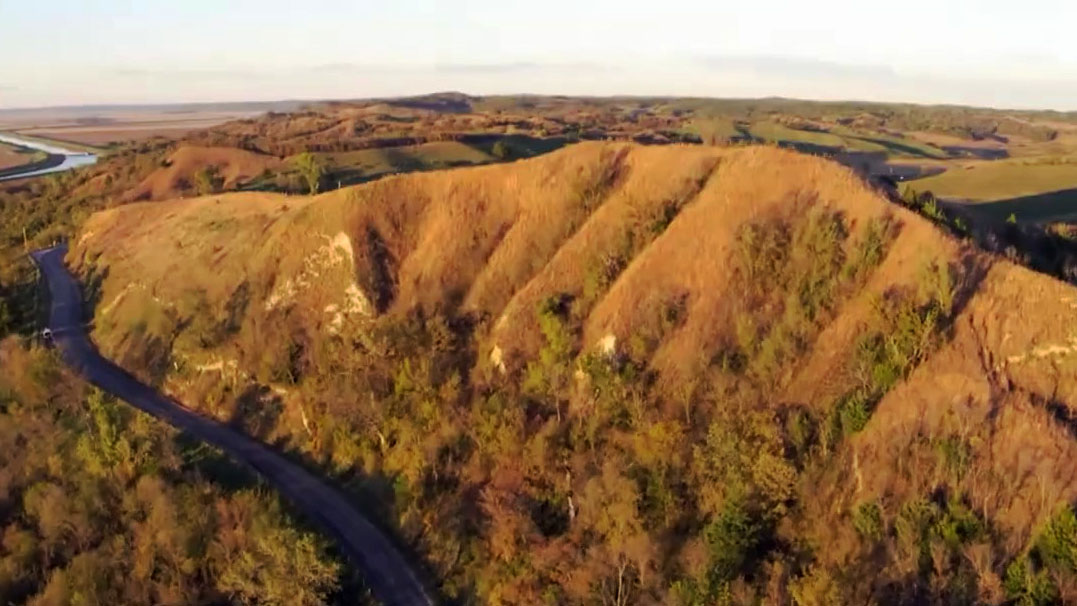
386,572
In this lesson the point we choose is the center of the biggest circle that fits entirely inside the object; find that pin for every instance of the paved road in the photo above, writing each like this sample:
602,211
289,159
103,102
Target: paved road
384,568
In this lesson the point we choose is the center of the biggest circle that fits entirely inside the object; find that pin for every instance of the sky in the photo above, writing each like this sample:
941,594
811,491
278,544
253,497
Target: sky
998,53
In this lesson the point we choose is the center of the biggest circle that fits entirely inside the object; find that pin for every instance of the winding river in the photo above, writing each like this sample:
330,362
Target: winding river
59,159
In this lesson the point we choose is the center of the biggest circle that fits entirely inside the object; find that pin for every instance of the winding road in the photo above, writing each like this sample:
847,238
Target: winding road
386,572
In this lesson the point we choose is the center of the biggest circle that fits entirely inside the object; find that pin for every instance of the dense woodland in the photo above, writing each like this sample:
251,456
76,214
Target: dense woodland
102,505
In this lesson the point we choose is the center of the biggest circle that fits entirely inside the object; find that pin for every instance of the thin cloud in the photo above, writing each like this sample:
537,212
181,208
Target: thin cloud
192,74
515,67
348,68
792,67
487,68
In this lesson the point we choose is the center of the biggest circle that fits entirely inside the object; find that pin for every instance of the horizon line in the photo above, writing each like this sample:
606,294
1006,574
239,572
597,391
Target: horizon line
300,100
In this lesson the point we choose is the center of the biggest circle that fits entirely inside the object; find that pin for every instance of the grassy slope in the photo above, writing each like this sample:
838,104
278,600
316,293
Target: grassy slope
495,241
369,163
177,175
897,146
774,132
1032,190
1000,180
718,129
843,138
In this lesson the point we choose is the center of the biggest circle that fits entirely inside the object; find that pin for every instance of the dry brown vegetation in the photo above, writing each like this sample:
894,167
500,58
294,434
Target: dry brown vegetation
105,505
181,170
621,374
337,127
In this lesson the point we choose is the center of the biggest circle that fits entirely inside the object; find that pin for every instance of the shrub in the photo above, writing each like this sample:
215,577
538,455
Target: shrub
733,538
906,332
870,248
816,588
501,150
1057,544
956,455
207,180
868,520
1026,587
547,378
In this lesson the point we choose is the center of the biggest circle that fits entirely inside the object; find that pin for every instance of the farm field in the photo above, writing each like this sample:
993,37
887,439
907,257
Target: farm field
121,131
104,126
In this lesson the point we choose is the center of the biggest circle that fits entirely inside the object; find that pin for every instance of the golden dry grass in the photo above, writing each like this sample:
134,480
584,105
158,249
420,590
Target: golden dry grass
233,166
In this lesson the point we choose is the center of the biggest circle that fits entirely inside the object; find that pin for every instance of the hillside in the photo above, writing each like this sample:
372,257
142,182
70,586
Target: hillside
629,375
228,167
1036,190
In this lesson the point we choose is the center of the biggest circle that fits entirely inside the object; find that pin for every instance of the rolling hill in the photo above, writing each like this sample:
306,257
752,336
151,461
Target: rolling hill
629,374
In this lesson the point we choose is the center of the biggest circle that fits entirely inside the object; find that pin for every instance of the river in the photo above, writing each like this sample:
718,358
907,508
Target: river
71,158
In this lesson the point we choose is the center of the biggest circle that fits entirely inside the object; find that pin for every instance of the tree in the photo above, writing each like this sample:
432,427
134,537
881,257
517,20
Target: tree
311,169
259,557
501,151
609,511
206,181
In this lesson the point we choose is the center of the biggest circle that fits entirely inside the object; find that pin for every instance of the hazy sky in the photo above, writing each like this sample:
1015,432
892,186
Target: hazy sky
984,52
